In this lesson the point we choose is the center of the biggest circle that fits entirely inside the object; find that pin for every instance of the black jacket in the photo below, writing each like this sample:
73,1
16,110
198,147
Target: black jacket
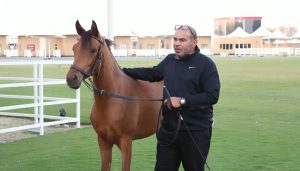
195,77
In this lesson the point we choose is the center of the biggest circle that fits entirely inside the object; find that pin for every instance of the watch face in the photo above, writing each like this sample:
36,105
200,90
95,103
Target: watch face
182,101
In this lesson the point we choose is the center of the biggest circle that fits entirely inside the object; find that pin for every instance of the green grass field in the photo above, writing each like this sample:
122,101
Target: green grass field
257,123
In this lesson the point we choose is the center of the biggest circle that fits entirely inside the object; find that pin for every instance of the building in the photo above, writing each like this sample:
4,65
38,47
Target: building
57,46
234,33
153,45
225,26
232,36
37,45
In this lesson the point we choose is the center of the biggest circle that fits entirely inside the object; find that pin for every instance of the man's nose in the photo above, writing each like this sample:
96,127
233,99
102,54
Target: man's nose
176,43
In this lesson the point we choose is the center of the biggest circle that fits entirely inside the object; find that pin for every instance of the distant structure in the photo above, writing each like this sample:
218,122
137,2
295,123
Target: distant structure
226,25
232,36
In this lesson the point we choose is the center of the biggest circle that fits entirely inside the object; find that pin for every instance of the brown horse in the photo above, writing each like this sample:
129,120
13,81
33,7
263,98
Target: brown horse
116,121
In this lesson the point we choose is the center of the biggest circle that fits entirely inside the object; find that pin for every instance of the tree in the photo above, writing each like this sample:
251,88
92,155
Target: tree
270,29
288,30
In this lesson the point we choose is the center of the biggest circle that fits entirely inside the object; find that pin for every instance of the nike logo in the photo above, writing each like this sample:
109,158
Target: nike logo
191,67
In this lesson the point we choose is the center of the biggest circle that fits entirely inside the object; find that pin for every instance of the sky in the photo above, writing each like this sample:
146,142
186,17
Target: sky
143,17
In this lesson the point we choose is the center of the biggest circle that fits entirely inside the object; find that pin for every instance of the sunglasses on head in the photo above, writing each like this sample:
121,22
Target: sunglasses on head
186,27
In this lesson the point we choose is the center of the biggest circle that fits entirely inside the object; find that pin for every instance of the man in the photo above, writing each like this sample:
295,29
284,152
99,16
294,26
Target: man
193,83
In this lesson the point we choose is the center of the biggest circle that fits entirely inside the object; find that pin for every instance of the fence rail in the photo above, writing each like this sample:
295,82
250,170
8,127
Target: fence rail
39,100
268,51
149,52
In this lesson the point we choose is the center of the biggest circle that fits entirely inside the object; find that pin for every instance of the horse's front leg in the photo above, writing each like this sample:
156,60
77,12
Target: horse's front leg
125,146
106,154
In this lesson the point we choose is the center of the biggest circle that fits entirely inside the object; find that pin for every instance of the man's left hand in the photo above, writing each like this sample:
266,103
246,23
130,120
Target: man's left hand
173,102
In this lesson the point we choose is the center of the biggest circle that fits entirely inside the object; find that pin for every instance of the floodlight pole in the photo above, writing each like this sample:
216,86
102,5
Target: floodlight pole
110,19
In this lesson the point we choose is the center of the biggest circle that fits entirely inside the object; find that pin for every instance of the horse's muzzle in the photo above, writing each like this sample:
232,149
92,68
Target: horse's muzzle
74,81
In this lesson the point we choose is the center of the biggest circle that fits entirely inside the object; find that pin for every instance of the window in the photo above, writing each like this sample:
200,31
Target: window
150,46
203,46
226,46
12,46
134,45
162,44
122,46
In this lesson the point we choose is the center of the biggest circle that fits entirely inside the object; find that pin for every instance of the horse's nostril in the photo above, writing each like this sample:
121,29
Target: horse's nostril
73,81
75,77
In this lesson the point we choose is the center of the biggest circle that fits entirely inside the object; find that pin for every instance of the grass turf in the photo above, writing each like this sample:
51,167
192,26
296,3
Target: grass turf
256,124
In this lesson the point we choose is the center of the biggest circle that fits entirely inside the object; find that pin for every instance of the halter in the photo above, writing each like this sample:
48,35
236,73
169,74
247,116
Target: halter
98,58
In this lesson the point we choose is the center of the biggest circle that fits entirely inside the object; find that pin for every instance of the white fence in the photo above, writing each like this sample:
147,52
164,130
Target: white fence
39,100
11,52
149,52
41,53
268,51
27,53
297,51
57,53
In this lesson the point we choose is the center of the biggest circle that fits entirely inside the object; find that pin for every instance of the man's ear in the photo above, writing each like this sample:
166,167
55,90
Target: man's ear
195,42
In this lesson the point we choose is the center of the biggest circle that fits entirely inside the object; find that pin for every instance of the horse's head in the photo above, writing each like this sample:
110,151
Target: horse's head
87,55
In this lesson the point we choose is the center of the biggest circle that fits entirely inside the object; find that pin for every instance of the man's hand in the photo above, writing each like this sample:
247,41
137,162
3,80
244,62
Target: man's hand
173,102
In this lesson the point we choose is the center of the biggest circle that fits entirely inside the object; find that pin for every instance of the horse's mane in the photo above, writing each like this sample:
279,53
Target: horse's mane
109,43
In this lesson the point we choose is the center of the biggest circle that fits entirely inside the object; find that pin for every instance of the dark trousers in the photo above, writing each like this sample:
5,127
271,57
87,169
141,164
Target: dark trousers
183,149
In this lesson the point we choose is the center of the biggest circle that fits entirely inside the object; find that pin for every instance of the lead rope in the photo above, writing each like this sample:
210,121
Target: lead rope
93,87
159,128
193,139
187,128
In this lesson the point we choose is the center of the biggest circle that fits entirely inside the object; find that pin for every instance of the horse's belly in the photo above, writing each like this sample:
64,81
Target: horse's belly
108,131
108,134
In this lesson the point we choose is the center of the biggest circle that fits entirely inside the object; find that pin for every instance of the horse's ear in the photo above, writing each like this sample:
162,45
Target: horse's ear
79,28
94,29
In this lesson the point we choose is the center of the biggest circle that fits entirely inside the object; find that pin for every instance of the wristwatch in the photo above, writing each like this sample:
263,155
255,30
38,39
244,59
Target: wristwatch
182,101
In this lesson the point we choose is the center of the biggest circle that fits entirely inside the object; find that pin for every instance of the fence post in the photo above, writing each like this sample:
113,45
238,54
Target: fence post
78,108
41,98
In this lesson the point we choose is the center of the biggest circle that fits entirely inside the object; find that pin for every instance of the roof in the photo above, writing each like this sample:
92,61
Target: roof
261,32
296,36
248,18
238,32
277,34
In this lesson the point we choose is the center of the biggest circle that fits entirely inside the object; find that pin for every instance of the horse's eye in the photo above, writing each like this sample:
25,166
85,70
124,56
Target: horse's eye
93,50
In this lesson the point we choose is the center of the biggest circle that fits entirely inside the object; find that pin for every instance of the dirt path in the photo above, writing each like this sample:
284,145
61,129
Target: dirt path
8,122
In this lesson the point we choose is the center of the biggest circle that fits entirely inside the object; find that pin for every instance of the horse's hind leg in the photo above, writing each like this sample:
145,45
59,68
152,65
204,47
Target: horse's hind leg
126,147
106,154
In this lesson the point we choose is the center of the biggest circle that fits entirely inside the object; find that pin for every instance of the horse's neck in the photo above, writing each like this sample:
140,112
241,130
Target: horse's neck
109,70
